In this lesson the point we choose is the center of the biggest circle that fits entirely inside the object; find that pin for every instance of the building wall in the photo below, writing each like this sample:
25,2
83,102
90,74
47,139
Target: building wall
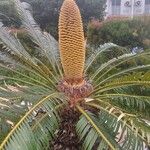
127,7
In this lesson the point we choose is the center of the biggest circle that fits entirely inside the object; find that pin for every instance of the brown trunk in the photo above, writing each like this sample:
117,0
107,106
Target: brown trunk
66,138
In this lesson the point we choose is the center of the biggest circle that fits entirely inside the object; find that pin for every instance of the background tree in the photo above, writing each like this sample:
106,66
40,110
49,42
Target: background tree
8,13
46,12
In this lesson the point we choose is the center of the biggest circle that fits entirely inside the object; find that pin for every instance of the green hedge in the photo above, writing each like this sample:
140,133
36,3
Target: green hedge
124,32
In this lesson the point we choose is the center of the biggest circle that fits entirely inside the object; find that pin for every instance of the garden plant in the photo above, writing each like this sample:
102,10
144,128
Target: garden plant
122,31
65,98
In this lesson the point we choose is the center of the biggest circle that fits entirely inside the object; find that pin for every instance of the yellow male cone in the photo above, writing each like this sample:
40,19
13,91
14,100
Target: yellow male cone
71,41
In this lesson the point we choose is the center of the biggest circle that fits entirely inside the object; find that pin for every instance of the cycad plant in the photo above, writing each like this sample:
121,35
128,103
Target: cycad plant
75,101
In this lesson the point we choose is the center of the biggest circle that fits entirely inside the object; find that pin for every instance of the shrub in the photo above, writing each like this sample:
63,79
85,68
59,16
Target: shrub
121,31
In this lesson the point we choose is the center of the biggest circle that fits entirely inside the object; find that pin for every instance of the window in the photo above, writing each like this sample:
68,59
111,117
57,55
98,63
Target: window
116,2
115,10
147,6
147,9
147,2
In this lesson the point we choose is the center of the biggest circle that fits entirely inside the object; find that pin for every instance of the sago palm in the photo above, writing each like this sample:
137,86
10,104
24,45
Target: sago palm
76,101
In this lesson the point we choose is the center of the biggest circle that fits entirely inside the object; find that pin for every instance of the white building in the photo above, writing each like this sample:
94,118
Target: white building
127,7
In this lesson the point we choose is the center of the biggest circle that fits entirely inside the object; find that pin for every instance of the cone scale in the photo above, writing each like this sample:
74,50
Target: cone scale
72,53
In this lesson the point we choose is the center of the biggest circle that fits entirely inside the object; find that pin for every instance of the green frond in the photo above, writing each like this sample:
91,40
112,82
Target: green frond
121,73
103,48
119,125
127,80
99,129
139,97
25,134
83,129
132,99
106,68
20,55
134,122
100,70
47,44
22,75
15,100
12,43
